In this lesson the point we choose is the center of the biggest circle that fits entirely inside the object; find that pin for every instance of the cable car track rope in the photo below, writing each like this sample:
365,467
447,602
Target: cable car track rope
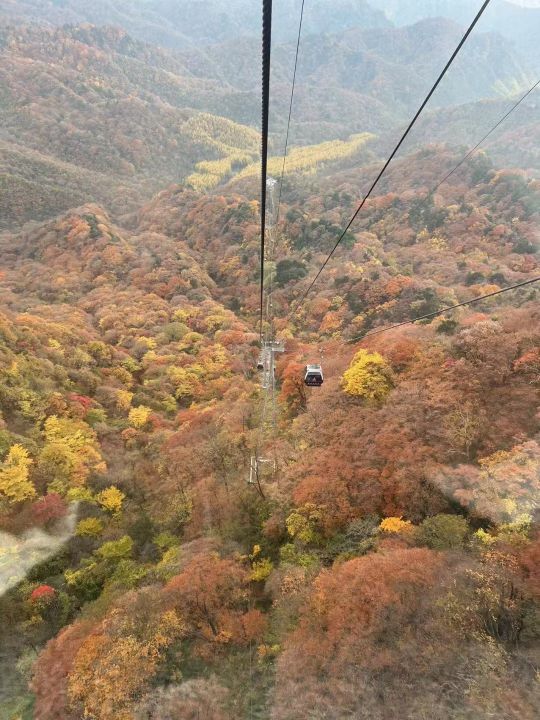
444,310
290,110
394,152
265,106
266,57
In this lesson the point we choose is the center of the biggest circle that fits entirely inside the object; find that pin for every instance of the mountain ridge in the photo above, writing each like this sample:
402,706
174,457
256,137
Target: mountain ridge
107,104
185,23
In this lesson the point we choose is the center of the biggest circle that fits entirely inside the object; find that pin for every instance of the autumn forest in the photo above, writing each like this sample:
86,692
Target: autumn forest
386,561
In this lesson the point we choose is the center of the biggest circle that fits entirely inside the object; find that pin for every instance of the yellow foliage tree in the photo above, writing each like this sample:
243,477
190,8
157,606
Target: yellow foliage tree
395,525
111,499
368,377
123,399
70,453
89,527
139,416
15,484
186,381
235,144
309,158
114,665
261,570
80,494
302,523
150,343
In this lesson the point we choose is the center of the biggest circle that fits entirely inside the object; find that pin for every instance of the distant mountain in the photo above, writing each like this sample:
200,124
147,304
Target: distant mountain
406,12
326,16
91,114
520,25
516,143
188,23
368,80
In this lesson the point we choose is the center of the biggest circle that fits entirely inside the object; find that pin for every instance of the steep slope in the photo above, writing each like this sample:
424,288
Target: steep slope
478,230
34,186
384,563
514,143
397,528
99,330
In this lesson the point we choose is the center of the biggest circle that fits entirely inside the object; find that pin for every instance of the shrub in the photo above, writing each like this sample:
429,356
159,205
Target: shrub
443,532
89,527
288,270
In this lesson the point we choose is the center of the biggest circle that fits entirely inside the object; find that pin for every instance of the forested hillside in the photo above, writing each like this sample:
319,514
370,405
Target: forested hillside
182,24
513,144
381,559
90,114
128,387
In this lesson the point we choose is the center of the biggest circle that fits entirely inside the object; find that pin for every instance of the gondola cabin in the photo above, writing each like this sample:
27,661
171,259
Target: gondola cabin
314,376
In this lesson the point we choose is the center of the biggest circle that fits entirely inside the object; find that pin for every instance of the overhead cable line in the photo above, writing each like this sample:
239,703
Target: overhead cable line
480,142
266,56
290,110
444,310
393,153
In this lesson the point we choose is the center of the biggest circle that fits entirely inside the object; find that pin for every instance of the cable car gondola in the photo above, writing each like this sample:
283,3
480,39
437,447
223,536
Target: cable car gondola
314,376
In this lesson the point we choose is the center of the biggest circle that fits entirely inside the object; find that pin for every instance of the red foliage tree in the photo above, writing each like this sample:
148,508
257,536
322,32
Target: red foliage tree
211,594
49,508
42,593
51,674
293,390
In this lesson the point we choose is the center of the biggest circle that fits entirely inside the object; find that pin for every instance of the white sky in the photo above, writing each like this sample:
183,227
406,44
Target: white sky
526,3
